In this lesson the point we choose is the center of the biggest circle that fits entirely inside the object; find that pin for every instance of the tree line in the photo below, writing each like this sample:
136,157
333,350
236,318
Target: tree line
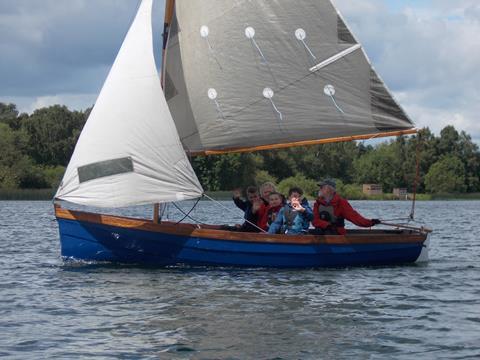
35,149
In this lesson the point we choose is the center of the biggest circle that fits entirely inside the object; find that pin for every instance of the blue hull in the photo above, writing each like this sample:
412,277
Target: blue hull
99,242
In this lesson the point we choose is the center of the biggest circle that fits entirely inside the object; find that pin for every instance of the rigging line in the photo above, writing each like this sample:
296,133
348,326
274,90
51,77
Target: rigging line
397,219
417,177
231,211
188,213
164,208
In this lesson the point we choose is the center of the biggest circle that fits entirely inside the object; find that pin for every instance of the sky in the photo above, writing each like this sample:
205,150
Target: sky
427,51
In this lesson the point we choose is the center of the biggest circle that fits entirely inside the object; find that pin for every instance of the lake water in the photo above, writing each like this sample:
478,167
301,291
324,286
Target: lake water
49,309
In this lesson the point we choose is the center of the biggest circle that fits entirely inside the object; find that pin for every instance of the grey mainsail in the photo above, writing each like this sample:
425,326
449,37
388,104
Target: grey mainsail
241,74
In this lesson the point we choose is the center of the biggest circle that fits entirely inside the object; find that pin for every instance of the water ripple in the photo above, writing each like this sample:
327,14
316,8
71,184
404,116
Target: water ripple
79,310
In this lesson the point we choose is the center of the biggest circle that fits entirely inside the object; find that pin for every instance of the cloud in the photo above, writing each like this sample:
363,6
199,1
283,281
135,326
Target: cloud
428,54
53,47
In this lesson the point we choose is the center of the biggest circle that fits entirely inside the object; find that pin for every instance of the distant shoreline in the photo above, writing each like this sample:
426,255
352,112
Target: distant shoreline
48,194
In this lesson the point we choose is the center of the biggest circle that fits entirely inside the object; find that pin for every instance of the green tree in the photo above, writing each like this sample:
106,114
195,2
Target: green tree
446,176
53,133
381,166
308,186
9,115
16,168
329,160
225,172
262,176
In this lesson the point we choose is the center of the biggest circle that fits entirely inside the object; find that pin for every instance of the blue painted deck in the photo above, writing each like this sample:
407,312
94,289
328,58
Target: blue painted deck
99,242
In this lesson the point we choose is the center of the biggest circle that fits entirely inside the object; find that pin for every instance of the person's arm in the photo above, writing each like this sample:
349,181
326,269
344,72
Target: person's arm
317,222
241,204
349,213
277,224
308,213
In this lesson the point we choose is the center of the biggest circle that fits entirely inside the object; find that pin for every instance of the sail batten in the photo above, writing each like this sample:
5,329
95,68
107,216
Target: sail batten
129,152
249,74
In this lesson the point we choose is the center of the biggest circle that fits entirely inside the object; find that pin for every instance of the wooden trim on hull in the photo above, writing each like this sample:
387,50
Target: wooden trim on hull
214,233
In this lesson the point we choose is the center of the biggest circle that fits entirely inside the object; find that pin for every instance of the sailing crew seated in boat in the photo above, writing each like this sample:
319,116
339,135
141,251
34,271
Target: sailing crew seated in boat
250,207
271,211
294,218
330,212
265,190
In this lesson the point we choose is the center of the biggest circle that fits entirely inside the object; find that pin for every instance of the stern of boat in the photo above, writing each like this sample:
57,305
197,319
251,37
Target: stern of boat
424,254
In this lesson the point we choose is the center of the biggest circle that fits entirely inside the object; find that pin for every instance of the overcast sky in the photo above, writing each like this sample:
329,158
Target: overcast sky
427,51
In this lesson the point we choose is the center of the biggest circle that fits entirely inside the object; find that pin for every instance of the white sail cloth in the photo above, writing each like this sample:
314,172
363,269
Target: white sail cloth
129,152
241,74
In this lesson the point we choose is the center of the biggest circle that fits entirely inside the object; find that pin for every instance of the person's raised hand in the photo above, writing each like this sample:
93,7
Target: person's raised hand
257,204
237,193
297,206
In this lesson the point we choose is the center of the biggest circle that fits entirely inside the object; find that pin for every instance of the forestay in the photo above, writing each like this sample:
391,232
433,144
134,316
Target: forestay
241,74
129,152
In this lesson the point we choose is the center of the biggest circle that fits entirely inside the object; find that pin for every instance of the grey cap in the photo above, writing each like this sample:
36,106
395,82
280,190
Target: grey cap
330,182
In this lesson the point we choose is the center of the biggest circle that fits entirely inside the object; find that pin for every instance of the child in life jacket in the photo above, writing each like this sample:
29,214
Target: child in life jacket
269,215
294,218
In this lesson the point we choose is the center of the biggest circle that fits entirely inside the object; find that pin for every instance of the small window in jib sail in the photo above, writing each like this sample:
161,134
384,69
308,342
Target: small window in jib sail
105,168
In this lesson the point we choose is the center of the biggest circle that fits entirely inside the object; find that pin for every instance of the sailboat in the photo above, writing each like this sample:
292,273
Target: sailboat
237,76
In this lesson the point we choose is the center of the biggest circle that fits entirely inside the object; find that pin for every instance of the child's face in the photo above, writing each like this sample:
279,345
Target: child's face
294,196
275,200
252,197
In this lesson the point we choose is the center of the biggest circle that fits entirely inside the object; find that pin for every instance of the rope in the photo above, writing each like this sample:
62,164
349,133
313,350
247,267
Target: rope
188,213
420,229
417,178
397,219
231,211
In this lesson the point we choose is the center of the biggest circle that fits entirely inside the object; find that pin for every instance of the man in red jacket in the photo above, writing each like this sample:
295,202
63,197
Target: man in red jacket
330,212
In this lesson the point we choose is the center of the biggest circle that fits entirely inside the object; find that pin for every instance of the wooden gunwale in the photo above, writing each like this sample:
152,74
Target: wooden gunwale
214,233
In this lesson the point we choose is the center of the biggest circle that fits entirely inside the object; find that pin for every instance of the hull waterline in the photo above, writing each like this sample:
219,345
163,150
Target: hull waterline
93,237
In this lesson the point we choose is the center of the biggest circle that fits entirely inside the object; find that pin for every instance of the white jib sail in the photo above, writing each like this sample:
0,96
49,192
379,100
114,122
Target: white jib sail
129,152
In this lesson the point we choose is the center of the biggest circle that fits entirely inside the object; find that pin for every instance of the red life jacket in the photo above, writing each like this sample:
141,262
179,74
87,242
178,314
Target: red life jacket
341,210
268,216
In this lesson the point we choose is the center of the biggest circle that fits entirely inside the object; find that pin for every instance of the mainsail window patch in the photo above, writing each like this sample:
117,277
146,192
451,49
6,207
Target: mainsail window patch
105,168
